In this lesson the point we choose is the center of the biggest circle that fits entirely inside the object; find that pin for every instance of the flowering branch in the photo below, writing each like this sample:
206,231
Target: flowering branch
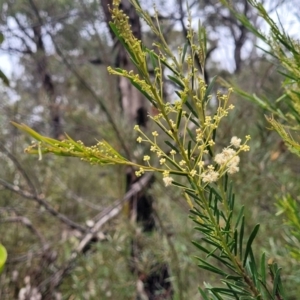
192,161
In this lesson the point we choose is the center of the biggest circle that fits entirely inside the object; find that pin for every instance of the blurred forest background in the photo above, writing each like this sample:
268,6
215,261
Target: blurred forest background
74,231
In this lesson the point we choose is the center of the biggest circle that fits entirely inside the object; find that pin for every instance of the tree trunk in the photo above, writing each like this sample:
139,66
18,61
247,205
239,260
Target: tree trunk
135,107
47,83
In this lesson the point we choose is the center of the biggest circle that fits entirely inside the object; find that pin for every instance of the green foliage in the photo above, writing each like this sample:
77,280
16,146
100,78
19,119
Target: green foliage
231,249
285,51
3,257
191,162
290,209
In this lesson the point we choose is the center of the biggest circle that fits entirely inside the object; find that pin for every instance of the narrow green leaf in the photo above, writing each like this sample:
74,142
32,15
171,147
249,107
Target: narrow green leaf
213,243
228,222
37,136
179,115
209,88
193,80
265,292
263,268
178,184
192,194
194,121
227,292
170,67
190,107
172,146
225,182
189,149
212,254
191,135
241,214
216,192
253,265
204,230
217,297
241,237
195,220
139,88
280,287
177,81
207,266
235,244
276,281
184,51
210,197
179,173
229,194
214,135
171,161
234,277
216,211
232,201
197,213
234,293
203,294
152,59
249,243
237,287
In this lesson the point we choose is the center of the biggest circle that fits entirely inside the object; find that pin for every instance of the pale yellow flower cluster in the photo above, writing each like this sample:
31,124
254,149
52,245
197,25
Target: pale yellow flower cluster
210,175
195,167
235,142
228,159
191,154
167,180
193,162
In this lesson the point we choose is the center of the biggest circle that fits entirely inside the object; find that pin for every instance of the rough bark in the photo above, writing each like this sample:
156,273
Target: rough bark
44,74
47,83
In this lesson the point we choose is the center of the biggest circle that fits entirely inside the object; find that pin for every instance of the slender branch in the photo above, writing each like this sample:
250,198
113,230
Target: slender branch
185,33
54,19
40,199
73,196
94,95
19,167
108,214
114,210
23,28
14,50
25,257
106,56
23,40
85,84
25,221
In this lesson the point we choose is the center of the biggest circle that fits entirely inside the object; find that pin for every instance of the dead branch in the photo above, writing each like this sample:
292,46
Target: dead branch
40,199
19,167
25,221
51,283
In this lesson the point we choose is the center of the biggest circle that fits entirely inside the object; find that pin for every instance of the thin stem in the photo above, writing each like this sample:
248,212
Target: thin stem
238,265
